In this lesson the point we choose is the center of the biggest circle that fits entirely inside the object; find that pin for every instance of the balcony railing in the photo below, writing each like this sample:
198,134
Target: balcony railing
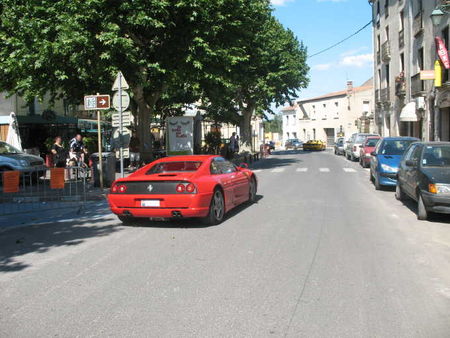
385,95
401,39
386,51
418,24
417,85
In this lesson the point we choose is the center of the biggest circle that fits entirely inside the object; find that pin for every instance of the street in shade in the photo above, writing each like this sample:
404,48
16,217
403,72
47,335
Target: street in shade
315,251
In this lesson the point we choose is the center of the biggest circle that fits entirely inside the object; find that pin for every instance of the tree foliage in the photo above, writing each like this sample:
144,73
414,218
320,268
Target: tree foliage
231,55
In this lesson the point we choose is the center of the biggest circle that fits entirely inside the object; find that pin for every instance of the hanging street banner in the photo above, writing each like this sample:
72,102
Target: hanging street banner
437,73
442,51
96,102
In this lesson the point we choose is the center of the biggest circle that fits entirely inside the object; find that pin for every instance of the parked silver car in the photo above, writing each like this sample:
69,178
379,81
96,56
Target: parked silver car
339,146
14,159
352,150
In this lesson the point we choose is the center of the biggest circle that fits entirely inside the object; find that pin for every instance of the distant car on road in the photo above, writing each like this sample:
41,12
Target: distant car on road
366,149
386,159
352,146
314,145
14,159
424,176
293,144
339,146
203,186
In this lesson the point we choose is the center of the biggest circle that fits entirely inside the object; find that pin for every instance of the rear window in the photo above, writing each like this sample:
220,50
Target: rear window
395,147
371,142
170,167
436,156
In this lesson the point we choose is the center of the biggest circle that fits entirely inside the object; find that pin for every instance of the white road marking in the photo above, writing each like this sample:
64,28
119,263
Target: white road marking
277,170
349,170
324,170
302,170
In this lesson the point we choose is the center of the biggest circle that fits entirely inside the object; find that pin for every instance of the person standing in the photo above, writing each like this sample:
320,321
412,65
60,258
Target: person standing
233,143
135,156
59,153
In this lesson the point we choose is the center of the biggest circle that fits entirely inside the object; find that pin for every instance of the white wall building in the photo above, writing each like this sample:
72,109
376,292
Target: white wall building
336,114
290,117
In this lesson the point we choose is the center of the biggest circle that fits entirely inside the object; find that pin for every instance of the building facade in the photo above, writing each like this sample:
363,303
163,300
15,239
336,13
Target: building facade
337,114
408,101
290,116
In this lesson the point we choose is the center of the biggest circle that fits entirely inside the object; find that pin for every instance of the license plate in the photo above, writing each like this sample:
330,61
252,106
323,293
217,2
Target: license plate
150,203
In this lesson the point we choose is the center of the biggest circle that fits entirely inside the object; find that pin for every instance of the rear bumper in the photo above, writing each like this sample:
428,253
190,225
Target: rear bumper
195,205
436,203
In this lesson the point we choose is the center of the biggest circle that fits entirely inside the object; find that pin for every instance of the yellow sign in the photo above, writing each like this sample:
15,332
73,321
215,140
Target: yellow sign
438,74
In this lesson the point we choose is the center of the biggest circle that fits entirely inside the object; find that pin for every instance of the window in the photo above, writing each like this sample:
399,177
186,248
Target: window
221,166
294,119
386,7
366,106
392,147
324,105
388,75
287,119
170,167
387,33
379,78
314,133
436,156
402,20
378,43
416,153
420,56
402,62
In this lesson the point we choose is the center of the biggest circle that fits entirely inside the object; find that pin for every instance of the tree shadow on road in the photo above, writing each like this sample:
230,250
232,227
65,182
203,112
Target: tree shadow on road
273,162
191,223
41,238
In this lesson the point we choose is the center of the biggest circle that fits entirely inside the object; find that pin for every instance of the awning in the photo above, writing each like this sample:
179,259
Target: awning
38,119
408,113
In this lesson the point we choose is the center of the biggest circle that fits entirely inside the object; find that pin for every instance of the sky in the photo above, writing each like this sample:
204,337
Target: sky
320,24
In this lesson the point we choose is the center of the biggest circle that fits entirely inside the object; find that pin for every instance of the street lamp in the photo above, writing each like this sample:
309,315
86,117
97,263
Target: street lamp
436,16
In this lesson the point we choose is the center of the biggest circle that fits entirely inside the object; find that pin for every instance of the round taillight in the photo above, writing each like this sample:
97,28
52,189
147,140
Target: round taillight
190,188
122,188
114,188
180,188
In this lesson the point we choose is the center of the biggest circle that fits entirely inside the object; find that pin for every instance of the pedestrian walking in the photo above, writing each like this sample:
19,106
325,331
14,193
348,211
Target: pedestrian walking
233,143
59,153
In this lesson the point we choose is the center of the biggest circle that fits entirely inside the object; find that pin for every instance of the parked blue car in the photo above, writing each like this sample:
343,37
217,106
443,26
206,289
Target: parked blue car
386,160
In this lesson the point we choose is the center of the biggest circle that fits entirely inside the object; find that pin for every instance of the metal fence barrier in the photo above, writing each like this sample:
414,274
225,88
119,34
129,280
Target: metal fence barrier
50,189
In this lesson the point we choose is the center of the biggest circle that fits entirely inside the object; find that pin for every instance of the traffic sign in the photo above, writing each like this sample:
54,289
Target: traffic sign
126,119
125,100
96,102
126,136
120,79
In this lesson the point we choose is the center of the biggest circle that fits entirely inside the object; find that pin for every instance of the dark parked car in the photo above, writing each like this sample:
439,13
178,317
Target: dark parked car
293,144
386,159
339,146
424,176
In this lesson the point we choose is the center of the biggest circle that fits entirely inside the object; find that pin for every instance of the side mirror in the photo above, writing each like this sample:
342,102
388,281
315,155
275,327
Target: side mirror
243,166
411,163
373,153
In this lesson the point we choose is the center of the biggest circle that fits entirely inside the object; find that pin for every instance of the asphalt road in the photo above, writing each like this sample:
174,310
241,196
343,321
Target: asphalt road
322,254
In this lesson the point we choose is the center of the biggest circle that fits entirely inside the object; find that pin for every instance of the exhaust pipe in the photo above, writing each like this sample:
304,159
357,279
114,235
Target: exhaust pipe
127,213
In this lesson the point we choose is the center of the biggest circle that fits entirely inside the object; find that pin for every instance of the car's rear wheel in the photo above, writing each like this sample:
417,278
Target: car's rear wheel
216,208
377,182
252,191
422,213
399,194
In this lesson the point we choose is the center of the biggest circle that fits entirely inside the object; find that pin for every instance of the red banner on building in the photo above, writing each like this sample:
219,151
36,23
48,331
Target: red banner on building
442,51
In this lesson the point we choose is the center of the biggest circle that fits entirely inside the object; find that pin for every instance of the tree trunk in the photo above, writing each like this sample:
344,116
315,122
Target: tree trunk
144,115
245,126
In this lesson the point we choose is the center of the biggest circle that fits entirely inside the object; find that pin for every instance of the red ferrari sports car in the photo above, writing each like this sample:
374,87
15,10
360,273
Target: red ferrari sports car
205,186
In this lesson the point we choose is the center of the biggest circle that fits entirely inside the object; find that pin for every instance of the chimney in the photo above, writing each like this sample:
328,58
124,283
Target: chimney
349,88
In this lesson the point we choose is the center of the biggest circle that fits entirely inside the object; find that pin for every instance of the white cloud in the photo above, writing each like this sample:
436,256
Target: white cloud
359,61
280,2
322,66
354,51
